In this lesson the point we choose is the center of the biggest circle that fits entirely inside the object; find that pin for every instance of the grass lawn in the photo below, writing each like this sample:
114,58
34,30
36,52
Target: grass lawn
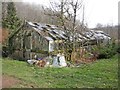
100,74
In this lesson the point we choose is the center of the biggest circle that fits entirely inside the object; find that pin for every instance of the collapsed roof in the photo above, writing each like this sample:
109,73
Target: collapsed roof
55,33
50,32
97,35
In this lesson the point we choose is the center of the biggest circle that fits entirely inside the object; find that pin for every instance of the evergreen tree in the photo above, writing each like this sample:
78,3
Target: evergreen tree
11,21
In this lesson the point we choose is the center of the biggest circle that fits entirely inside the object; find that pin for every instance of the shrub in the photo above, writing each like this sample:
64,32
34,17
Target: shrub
108,51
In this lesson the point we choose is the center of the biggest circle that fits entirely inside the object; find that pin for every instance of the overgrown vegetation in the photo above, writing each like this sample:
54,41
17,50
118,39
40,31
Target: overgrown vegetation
108,51
100,74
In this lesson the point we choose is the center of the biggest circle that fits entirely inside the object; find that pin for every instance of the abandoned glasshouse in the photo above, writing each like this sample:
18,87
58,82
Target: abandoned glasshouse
44,40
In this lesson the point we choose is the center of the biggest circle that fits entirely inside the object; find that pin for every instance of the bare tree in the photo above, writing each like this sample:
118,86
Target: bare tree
66,11
32,12
99,25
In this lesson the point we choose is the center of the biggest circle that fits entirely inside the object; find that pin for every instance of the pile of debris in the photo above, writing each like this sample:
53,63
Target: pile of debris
57,61
78,57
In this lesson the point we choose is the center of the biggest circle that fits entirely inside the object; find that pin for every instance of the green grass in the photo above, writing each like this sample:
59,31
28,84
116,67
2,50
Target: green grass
100,74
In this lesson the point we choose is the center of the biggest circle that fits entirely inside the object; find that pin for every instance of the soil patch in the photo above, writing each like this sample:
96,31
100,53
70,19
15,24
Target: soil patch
9,81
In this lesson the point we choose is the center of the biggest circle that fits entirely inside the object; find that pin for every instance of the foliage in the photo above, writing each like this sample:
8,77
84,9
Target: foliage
100,74
11,21
108,50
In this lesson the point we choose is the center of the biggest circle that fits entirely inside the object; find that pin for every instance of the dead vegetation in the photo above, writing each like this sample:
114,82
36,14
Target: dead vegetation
4,34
